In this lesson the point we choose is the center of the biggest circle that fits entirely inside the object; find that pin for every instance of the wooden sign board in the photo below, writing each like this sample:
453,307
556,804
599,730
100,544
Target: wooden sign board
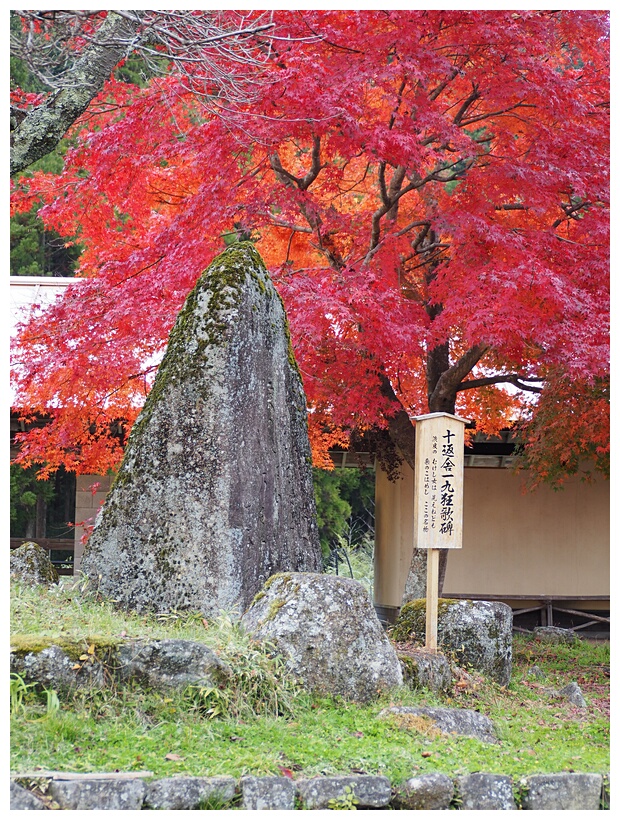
438,495
438,499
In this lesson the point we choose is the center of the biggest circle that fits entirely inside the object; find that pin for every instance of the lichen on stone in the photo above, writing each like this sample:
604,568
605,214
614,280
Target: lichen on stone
477,633
328,632
215,490
30,564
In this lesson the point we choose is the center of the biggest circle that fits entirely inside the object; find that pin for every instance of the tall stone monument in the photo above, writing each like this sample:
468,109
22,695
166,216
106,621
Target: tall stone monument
215,491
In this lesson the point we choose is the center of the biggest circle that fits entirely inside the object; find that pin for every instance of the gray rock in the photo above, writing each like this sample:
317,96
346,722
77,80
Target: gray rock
179,793
159,665
415,585
22,799
215,491
464,722
554,634
364,791
54,668
170,664
426,791
267,793
112,795
31,565
573,693
535,672
563,791
485,792
426,670
479,633
327,630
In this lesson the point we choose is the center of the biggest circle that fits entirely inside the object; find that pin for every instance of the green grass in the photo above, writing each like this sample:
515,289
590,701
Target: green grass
361,564
269,724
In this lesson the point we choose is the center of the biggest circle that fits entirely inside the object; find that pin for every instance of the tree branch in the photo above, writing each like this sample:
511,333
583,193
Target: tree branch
509,378
468,102
400,428
448,383
286,177
42,128
498,113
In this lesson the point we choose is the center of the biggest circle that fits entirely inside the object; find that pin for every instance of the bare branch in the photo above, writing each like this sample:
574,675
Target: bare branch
438,89
512,207
42,128
288,179
505,378
569,212
295,228
315,168
500,112
217,55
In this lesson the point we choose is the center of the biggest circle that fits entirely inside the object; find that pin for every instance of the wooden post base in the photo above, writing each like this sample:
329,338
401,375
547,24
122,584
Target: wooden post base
432,596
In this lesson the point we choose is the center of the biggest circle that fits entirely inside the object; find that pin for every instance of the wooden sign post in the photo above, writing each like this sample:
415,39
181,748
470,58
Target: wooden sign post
438,499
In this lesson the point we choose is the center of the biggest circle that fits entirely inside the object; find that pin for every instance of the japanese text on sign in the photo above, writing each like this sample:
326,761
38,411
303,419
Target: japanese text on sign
439,481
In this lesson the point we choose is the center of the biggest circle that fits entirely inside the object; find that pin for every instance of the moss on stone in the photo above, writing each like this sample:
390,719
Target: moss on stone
284,576
275,606
258,597
412,619
476,634
72,647
410,666
180,444
223,281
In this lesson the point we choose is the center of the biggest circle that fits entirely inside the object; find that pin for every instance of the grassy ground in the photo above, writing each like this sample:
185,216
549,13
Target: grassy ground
265,724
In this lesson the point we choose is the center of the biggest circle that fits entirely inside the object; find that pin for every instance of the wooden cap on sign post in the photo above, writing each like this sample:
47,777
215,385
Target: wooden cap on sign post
438,499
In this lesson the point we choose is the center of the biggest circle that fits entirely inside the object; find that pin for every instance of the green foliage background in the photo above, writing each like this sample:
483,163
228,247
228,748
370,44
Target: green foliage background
345,506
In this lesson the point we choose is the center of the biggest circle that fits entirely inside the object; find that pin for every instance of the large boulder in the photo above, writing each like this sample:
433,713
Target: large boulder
215,490
479,633
326,628
31,565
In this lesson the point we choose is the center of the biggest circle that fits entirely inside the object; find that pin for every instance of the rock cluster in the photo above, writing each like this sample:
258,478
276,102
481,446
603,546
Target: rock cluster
160,665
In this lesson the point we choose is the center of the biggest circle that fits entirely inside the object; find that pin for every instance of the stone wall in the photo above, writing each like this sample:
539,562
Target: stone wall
564,791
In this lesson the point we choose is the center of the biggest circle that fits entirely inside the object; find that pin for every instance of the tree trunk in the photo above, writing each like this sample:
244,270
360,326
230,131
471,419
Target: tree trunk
43,127
41,518
444,381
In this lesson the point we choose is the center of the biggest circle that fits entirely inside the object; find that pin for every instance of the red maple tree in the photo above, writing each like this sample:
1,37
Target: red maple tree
429,190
